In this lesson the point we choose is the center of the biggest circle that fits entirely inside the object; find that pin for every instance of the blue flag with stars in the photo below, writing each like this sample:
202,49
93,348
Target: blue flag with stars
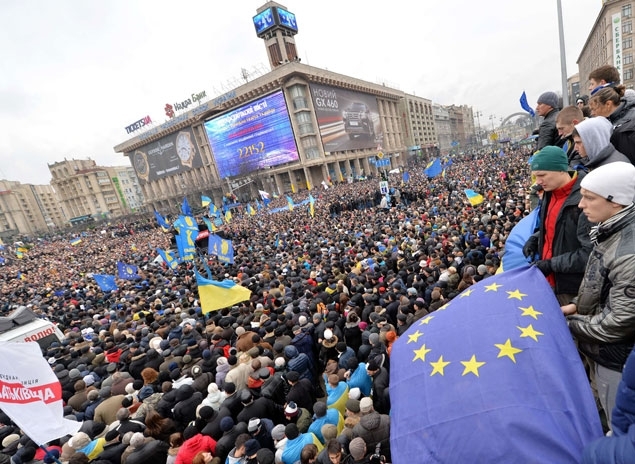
492,376
127,271
106,282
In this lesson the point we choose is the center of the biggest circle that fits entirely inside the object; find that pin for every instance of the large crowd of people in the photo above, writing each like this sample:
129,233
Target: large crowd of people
300,372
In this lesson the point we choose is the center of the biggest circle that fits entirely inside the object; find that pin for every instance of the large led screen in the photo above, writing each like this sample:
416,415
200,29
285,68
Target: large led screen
347,120
167,156
253,136
263,21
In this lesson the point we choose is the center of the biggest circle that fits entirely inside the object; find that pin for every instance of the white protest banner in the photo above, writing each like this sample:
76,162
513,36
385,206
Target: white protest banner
31,394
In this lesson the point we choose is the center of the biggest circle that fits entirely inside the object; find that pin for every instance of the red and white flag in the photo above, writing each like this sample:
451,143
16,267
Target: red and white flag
31,394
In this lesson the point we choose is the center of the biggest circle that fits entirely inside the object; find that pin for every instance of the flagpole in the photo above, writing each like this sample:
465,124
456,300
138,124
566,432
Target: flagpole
563,58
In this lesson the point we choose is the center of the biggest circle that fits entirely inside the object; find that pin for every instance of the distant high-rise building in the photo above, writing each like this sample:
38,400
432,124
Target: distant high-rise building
86,190
27,209
610,42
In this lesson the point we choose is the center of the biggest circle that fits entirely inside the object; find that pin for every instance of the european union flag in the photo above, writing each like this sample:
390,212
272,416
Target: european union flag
524,105
127,271
106,282
223,249
433,168
492,376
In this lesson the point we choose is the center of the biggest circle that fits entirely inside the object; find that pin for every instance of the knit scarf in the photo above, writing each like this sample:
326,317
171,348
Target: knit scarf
603,228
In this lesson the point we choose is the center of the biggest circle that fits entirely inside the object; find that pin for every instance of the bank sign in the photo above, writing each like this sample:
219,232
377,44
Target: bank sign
170,110
144,121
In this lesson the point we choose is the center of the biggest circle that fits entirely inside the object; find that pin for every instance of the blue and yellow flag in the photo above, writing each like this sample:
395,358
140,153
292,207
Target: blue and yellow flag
290,203
311,205
222,248
473,197
492,376
210,225
161,221
127,271
106,282
205,200
433,168
250,210
228,216
216,295
76,241
168,258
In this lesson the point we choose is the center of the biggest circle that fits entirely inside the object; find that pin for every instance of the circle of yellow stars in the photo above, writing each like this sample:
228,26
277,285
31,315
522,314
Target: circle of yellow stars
472,365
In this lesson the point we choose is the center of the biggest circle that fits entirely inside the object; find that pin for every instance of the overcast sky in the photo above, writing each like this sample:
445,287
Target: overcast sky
74,73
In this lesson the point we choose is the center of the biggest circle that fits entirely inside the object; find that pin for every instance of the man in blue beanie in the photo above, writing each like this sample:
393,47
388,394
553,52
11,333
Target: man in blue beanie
561,247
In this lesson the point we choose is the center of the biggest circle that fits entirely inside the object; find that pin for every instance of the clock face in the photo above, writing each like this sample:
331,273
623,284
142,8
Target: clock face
184,146
140,163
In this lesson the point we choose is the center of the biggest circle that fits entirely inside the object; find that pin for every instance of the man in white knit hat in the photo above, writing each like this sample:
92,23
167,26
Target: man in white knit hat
602,316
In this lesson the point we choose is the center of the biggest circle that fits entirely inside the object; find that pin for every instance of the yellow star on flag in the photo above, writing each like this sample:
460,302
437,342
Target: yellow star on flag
467,292
443,307
506,349
414,337
472,365
426,320
516,294
421,353
530,332
530,311
492,288
438,366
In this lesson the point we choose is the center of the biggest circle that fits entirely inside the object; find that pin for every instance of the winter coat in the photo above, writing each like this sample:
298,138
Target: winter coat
192,446
374,428
152,452
571,243
605,320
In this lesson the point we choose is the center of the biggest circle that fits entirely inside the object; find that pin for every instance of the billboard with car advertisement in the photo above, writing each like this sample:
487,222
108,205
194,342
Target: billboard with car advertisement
167,156
347,120
254,136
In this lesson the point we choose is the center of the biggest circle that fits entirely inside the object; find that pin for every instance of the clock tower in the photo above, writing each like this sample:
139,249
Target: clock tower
277,27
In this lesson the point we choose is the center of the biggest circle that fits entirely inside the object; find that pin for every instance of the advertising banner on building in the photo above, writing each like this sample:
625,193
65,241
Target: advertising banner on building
254,136
31,394
167,156
616,22
347,120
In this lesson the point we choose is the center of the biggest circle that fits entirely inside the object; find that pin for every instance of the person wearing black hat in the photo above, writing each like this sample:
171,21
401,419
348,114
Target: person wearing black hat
380,376
258,407
301,391
113,447
228,440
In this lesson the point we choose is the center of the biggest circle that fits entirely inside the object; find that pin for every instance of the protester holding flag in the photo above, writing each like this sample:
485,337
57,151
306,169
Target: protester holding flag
560,249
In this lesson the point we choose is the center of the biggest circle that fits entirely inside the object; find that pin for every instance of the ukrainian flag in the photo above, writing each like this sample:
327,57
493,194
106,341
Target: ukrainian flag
76,241
473,197
250,210
205,200
290,203
216,295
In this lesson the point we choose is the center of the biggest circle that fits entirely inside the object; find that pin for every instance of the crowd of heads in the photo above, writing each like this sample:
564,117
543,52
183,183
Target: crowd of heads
153,377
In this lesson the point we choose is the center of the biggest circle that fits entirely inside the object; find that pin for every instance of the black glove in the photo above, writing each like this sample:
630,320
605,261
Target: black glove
531,247
545,266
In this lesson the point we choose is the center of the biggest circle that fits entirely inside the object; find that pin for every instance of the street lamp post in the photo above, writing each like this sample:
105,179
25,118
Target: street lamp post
478,115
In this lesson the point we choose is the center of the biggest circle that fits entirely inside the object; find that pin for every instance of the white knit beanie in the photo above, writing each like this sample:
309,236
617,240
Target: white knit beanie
613,181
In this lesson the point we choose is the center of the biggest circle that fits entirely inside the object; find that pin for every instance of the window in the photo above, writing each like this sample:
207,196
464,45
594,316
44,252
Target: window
627,43
628,74
627,11
305,125
627,27
627,59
